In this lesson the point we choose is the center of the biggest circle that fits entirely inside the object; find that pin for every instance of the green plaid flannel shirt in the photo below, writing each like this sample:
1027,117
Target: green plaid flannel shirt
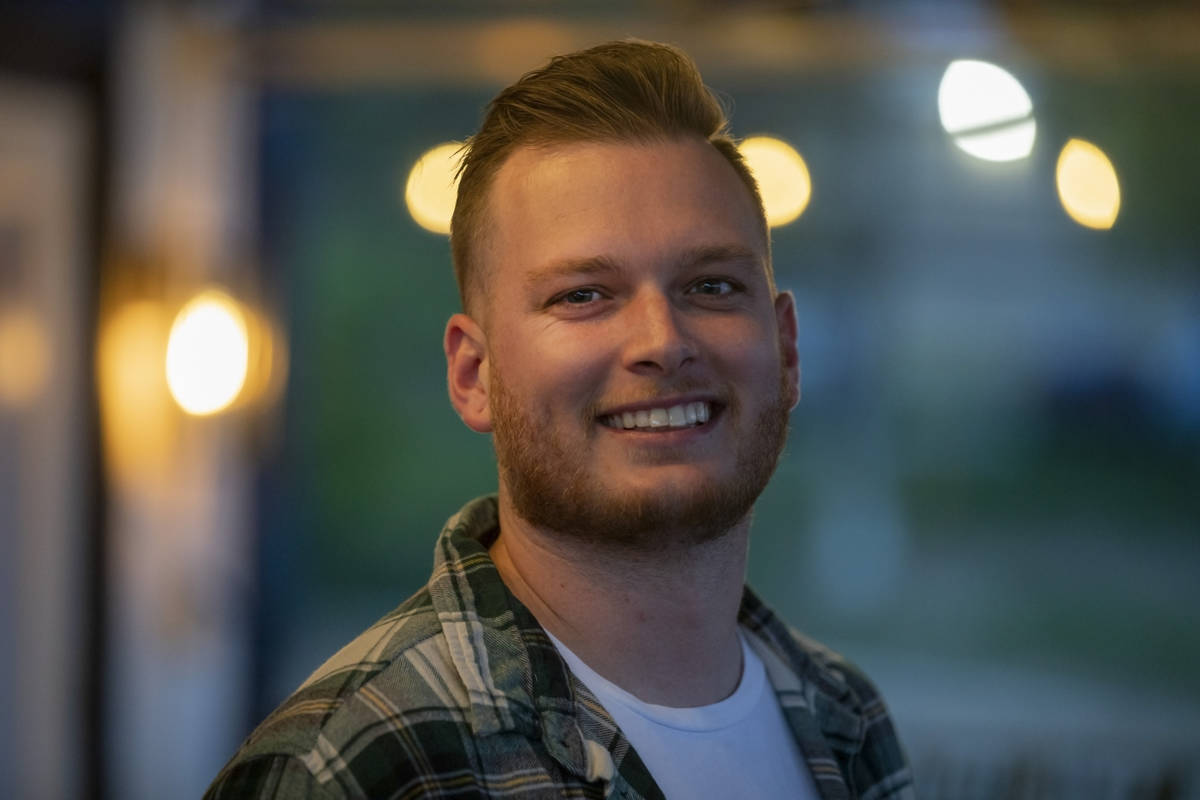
459,693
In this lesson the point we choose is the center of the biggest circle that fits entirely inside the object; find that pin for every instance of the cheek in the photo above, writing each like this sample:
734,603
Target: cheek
556,366
748,351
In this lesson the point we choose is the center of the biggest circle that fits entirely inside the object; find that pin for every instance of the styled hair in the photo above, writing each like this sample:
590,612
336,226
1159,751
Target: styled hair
623,91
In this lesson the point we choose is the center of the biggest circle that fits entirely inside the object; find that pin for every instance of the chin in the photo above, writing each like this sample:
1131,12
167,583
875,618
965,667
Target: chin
655,515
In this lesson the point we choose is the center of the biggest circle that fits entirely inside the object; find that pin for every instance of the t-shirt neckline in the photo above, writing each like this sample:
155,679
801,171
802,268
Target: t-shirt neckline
698,719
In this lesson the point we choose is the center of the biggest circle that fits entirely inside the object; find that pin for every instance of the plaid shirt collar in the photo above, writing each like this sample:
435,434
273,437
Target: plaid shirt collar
517,681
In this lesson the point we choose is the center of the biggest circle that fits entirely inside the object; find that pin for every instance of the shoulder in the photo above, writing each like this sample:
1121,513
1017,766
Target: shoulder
267,776
384,703
845,704
846,684
836,674
876,765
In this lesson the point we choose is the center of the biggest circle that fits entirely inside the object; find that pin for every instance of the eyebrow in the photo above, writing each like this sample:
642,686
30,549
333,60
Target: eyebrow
593,265
601,265
718,253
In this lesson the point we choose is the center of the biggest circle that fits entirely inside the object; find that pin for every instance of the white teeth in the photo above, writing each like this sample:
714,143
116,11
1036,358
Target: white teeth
679,416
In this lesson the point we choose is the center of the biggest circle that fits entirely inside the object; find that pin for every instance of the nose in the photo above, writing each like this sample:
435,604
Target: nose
656,341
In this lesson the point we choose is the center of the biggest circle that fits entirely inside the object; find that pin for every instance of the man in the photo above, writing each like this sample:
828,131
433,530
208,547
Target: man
586,633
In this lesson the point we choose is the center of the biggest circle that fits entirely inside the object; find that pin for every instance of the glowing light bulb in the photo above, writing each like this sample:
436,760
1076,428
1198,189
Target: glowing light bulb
782,178
987,111
207,354
432,187
1087,185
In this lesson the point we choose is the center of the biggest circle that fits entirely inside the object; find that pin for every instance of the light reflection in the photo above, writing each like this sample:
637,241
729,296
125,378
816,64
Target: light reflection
987,111
25,355
1087,185
432,185
782,177
207,354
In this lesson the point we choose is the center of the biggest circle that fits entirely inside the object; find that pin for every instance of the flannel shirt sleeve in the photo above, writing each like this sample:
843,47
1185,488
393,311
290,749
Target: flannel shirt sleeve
268,777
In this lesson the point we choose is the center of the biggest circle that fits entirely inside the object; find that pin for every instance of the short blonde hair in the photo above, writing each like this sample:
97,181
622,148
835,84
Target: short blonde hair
629,90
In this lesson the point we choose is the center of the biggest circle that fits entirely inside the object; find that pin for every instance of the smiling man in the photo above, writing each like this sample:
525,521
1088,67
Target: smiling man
587,632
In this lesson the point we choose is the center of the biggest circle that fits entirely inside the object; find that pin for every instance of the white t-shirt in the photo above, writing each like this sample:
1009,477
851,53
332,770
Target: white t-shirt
740,747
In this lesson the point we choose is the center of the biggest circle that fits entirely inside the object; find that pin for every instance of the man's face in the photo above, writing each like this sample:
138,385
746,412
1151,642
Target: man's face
639,367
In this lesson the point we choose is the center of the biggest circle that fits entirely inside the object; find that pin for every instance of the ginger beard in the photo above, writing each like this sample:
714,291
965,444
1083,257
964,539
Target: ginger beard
550,486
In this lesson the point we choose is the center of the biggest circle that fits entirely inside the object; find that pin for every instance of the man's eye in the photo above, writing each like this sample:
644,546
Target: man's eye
580,296
713,286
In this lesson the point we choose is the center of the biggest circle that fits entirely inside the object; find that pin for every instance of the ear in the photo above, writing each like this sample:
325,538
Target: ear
467,372
789,354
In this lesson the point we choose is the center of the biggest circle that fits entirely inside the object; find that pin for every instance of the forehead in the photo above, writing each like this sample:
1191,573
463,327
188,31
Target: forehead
635,204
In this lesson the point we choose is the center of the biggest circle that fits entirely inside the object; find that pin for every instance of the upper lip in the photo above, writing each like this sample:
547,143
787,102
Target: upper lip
659,402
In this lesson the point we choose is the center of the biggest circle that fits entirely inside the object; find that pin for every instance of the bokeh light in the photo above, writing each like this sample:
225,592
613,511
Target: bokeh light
782,176
266,371
987,111
135,406
25,355
432,187
1087,185
207,354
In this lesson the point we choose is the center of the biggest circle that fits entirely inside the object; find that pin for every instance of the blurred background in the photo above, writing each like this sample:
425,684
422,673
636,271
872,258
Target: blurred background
225,445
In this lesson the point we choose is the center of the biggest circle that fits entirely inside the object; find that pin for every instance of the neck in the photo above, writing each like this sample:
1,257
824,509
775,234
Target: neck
661,625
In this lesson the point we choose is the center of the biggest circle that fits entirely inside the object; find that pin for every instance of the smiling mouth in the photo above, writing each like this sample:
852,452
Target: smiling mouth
667,418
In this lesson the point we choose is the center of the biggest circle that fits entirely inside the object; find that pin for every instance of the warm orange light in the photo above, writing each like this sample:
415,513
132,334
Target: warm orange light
266,372
781,175
25,356
432,187
1087,185
137,416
